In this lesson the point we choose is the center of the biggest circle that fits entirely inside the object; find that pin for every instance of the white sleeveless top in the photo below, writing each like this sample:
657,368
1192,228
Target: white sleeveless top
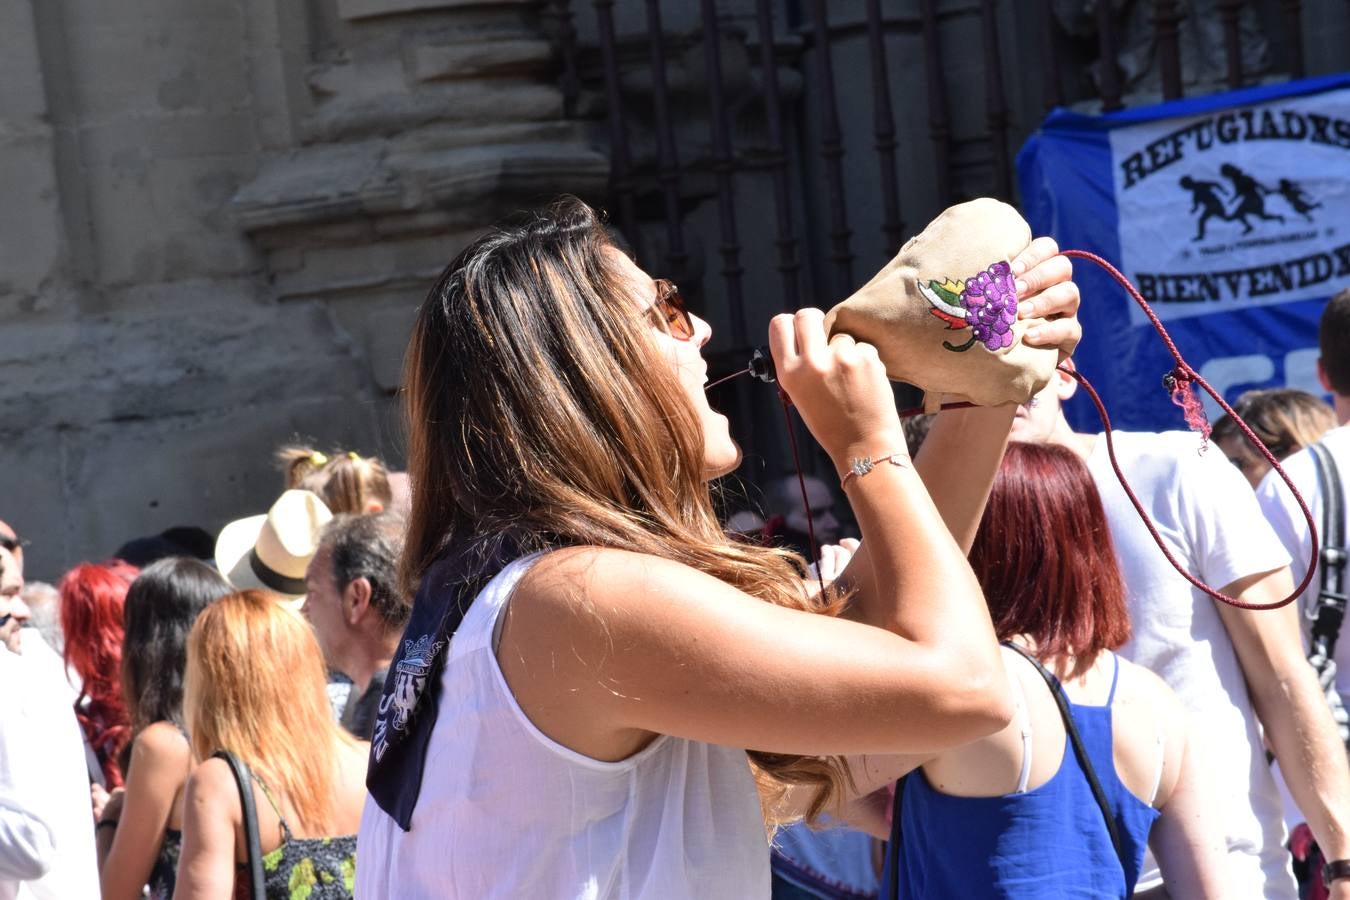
504,811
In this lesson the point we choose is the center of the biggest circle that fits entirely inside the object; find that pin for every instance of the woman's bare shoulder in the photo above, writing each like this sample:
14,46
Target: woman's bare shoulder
605,575
161,741
211,789
1138,684
354,759
1143,697
588,561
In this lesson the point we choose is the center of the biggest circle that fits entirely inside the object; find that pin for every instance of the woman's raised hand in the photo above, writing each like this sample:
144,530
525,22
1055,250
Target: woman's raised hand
1045,290
838,385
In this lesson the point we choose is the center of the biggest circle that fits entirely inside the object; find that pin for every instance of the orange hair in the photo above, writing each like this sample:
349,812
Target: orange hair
256,686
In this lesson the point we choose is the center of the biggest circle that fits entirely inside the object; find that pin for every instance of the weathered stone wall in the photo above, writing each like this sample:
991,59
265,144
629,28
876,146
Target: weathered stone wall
218,219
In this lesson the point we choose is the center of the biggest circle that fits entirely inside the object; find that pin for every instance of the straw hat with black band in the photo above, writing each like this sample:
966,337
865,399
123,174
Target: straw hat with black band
271,552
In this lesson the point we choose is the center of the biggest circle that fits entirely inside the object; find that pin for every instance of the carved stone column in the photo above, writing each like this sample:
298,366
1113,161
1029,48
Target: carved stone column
415,124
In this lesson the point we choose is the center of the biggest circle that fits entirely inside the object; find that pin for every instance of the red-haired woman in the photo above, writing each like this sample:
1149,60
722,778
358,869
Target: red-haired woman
1013,814
91,618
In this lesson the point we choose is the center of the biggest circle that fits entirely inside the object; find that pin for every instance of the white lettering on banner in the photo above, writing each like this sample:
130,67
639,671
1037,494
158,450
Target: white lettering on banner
1226,372
1238,208
1300,371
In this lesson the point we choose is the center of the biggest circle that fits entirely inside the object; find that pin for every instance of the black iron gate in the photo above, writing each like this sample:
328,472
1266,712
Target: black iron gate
769,154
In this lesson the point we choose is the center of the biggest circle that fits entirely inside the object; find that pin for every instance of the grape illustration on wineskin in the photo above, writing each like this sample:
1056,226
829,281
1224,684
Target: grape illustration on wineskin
985,303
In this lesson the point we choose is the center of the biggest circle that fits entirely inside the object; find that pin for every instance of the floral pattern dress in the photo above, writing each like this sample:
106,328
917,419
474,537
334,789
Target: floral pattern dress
303,868
311,868
163,874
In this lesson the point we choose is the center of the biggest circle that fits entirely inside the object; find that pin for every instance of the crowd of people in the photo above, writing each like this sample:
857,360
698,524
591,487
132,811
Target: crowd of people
542,664
181,660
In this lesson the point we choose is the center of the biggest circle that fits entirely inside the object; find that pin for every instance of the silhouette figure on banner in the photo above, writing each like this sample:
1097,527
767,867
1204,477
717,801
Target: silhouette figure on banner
1206,196
1246,198
1297,198
1251,195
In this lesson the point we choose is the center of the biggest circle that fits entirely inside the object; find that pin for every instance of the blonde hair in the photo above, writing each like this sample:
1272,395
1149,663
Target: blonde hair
347,481
1285,419
538,420
256,686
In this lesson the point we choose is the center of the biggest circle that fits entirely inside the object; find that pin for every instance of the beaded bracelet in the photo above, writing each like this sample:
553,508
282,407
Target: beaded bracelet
860,466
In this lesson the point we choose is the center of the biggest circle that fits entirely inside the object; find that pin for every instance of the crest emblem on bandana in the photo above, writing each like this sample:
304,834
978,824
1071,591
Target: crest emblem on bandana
410,680
985,303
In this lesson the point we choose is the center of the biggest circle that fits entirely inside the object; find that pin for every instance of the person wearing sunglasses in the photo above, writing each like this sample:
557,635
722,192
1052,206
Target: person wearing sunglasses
595,680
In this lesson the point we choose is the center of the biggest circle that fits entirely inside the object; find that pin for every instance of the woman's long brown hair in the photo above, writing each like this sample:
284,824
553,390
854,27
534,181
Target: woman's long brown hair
256,686
540,416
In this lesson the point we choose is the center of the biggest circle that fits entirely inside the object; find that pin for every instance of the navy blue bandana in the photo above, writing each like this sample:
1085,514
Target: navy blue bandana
412,690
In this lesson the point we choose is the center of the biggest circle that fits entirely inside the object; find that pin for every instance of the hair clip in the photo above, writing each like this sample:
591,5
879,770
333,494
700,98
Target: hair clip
353,456
318,460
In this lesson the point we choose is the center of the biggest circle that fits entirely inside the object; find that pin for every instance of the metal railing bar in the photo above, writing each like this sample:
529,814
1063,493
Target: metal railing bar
883,128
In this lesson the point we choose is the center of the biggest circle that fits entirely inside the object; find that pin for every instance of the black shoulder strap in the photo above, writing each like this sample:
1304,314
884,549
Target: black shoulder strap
892,886
1329,611
250,808
1079,750
891,890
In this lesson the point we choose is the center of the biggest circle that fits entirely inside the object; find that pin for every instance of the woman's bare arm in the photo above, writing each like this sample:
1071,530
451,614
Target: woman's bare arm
1188,838
159,765
211,818
604,648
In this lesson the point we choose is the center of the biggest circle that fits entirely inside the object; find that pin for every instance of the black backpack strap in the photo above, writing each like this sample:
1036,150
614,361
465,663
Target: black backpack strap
1329,611
244,779
1079,750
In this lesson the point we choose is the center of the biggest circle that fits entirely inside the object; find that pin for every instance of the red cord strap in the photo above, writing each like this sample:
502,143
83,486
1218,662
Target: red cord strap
1178,383
801,483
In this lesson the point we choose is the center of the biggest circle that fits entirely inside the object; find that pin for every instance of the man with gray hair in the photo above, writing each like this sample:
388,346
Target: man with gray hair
358,611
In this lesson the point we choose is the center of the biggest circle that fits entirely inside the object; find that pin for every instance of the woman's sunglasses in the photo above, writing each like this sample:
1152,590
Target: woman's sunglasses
668,312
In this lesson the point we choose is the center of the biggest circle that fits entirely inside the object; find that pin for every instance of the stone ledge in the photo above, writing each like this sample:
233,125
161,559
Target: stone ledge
368,9
375,179
471,59
210,349
465,103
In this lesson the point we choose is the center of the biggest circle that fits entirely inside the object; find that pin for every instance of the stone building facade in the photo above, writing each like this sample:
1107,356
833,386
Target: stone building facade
219,217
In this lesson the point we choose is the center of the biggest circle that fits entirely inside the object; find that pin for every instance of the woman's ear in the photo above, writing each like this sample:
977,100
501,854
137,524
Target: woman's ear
1065,384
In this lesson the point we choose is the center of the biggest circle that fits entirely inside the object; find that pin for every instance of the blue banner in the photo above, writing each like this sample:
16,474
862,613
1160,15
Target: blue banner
1230,213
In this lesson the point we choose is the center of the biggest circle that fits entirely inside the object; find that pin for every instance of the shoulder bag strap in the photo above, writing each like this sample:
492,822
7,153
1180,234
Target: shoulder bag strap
891,890
250,808
1079,750
1329,611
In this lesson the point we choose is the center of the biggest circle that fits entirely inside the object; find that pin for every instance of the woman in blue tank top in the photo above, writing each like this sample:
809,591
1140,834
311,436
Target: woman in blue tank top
1013,814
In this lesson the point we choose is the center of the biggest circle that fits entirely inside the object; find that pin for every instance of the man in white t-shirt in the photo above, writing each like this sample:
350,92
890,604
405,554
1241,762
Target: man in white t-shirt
46,818
1278,502
1237,671
1274,496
